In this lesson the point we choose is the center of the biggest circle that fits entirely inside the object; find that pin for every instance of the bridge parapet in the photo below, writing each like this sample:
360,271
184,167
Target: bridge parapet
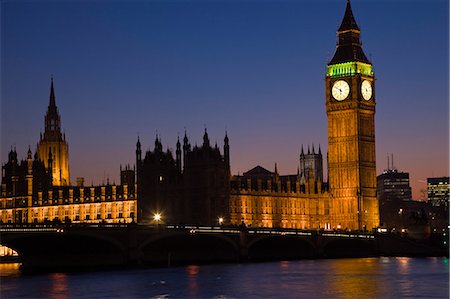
125,244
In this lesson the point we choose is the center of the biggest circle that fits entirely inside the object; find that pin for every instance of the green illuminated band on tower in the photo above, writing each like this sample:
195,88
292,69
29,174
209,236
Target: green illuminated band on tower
349,68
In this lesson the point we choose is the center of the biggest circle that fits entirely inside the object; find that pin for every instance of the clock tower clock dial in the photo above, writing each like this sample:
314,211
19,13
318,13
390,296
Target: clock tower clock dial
350,103
366,90
340,90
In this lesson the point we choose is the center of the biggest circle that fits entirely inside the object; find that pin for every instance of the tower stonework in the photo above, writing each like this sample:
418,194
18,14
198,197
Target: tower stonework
350,106
53,144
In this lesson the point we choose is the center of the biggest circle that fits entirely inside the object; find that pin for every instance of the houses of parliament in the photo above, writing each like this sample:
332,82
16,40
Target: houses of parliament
194,185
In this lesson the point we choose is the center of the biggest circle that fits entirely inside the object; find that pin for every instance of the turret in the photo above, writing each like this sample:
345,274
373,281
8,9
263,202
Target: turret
12,156
226,150
138,152
158,145
186,148
178,156
205,139
29,161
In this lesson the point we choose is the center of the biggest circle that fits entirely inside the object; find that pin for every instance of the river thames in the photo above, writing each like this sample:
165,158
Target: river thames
385,277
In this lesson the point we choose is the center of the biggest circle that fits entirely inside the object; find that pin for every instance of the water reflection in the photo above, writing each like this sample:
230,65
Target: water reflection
338,278
193,271
58,287
354,278
9,269
403,265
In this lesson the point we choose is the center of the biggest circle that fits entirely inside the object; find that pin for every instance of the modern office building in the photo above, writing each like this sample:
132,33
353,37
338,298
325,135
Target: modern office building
393,185
438,191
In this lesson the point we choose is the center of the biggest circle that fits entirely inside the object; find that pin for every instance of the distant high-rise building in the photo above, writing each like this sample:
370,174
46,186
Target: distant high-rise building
393,185
438,191
392,191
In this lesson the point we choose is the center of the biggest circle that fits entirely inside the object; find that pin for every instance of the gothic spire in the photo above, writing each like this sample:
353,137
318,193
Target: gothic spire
52,104
205,139
349,47
138,143
348,22
185,139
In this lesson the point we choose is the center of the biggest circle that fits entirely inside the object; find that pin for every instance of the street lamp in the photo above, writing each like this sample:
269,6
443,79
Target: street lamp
220,220
157,218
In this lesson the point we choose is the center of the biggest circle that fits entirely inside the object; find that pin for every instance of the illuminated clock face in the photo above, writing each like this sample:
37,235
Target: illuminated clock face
340,90
366,90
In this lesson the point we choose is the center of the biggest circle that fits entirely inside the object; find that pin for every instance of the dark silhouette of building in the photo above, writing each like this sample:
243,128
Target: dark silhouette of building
393,185
192,188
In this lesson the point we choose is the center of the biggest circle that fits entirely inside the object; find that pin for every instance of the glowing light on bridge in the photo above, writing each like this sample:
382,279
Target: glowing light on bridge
157,217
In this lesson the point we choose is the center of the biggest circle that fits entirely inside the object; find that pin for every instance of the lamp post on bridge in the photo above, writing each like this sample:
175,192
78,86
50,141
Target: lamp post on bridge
157,217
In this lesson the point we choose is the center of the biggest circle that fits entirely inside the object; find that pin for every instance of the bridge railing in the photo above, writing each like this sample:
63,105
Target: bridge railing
27,227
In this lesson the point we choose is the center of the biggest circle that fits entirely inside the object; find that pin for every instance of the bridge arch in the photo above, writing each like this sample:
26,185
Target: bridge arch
338,247
65,249
275,247
183,247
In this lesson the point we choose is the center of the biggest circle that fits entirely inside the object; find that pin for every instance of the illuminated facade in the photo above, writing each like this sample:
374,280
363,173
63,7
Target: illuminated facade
438,190
27,196
349,201
37,189
195,186
350,104
52,147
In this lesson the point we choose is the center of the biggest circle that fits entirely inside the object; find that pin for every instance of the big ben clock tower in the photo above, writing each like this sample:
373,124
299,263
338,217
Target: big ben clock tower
350,103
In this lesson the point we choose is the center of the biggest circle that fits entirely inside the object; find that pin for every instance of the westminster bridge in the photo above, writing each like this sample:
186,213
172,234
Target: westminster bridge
92,245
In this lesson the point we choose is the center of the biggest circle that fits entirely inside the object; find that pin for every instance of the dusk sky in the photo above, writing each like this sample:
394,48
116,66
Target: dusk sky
253,68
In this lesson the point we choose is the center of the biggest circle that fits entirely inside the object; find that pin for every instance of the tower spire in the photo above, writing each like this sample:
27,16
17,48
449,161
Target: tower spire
52,103
348,22
349,47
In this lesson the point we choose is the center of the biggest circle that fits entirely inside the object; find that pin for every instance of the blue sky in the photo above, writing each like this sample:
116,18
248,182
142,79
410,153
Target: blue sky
253,68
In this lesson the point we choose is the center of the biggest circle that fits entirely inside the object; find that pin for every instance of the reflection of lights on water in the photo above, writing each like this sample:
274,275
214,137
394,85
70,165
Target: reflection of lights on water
9,269
284,264
59,286
403,263
403,260
193,270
